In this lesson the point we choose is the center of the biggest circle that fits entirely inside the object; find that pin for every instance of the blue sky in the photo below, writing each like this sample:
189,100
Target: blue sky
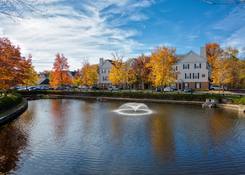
93,29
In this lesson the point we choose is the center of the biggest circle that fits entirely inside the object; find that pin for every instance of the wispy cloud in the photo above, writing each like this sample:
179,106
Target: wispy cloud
79,30
234,25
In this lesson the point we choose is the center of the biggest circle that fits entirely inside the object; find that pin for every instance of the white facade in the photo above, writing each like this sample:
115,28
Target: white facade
104,70
192,71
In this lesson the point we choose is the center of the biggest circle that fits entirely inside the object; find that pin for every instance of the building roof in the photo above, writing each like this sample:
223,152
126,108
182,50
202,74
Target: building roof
191,56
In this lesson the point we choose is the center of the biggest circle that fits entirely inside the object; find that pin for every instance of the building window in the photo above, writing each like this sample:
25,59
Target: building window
203,75
186,66
187,76
103,71
105,78
198,66
195,75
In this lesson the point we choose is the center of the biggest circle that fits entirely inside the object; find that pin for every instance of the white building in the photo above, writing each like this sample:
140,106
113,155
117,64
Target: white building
192,71
104,70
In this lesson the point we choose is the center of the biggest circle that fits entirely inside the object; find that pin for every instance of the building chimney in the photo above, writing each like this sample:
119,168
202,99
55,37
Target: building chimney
203,51
101,61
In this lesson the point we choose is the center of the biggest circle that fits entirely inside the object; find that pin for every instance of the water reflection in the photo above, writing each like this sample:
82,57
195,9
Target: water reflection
59,110
162,136
86,137
12,143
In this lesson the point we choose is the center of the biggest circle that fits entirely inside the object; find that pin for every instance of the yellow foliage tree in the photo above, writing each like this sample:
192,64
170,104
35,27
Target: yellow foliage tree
88,75
118,72
221,72
31,76
161,65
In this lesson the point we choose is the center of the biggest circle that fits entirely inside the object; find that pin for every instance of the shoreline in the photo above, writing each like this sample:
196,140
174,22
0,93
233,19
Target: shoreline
13,113
239,108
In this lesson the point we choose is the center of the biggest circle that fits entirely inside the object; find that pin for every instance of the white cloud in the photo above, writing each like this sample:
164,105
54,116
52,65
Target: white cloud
78,33
234,25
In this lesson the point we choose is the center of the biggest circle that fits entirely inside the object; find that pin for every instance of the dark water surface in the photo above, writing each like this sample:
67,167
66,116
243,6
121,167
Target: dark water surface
86,137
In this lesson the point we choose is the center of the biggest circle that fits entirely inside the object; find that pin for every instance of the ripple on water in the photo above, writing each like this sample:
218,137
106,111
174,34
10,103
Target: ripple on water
79,137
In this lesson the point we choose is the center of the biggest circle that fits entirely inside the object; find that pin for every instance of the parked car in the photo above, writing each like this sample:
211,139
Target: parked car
169,89
20,88
83,87
217,88
94,88
188,90
113,88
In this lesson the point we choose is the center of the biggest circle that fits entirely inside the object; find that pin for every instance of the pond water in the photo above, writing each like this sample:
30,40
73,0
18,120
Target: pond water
87,137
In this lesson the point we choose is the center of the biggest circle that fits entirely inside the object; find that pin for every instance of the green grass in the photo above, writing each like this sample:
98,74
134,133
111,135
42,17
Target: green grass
9,101
240,100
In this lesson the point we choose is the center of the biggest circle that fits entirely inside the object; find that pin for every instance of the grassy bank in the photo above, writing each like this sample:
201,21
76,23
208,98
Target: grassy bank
9,101
235,99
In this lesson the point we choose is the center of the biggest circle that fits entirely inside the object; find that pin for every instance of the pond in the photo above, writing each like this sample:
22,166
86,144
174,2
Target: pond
87,137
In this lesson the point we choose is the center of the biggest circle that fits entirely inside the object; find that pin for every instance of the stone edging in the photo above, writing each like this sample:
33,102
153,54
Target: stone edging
14,112
239,108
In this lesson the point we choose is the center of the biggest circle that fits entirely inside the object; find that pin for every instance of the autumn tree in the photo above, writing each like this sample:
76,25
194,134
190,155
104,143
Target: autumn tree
15,69
213,52
117,74
59,75
141,70
226,68
31,76
88,75
130,76
161,66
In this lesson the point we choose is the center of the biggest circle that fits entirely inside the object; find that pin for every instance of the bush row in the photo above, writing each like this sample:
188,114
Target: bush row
240,100
9,101
165,96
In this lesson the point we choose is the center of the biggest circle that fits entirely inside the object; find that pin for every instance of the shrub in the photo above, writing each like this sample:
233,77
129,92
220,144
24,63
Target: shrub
140,94
240,100
9,101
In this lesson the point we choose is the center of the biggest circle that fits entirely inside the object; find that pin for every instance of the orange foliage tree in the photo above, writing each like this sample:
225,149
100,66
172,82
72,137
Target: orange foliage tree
141,70
59,75
15,69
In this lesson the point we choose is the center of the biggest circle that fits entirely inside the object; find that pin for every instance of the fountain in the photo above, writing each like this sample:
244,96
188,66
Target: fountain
134,109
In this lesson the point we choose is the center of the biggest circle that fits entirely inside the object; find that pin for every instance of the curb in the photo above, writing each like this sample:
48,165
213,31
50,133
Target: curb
13,113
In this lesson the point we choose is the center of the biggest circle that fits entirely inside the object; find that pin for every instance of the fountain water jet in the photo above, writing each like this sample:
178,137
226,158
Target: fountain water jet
133,109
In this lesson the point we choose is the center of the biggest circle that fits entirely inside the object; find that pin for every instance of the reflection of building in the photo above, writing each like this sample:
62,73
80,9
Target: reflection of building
104,70
192,71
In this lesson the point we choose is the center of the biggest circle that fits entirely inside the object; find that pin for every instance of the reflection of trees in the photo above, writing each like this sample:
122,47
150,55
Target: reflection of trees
29,115
59,111
12,142
162,137
220,126
117,129
87,111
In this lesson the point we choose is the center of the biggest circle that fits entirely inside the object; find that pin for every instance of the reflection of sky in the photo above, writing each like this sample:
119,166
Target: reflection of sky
88,138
